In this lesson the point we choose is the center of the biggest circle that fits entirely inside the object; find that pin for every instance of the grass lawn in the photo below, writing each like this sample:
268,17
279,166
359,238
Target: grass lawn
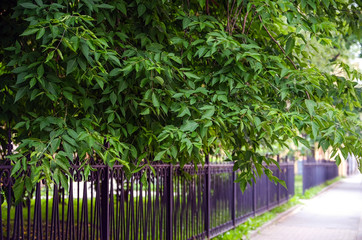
298,185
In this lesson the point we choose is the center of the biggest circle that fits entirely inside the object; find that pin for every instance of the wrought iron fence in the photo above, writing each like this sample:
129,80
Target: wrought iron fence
318,172
177,203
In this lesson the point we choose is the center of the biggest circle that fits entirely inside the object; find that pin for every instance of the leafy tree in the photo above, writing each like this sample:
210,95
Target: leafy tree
136,82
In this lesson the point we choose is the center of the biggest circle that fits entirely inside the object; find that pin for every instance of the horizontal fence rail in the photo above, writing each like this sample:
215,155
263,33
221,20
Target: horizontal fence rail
318,172
176,203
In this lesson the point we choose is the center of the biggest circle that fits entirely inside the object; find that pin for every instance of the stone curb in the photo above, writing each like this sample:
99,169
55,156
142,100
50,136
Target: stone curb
290,211
272,221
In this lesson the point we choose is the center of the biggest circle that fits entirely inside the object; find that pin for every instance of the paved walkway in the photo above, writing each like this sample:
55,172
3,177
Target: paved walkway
334,215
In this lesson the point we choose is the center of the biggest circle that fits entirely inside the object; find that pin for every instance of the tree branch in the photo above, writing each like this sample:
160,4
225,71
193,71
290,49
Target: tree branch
244,23
290,60
236,18
247,32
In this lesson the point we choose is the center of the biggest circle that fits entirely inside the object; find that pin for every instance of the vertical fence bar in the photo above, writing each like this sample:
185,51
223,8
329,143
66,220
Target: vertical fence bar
105,205
279,174
207,193
169,223
254,198
267,193
287,180
233,200
181,222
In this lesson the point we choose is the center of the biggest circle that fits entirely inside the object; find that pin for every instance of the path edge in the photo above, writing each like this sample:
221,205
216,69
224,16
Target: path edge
291,211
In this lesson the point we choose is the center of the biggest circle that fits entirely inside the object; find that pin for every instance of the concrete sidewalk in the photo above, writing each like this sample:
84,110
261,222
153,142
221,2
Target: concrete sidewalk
336,214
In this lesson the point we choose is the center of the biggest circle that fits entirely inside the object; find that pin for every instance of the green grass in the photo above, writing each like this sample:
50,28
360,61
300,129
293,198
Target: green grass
243,230
298,185
253,223
310,193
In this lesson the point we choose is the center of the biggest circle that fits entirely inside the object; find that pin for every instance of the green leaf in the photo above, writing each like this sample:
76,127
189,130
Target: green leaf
315,129
40,70
208,113
87,169
122,7
63,163
324,144
326,3
28,5
64,181
68,95
189,126
18,189
115,60
155,101
303,141
16,168
110,117
284,72
141,9
257,123
145,112
71,66
20,93
50,56
310,106
55,145
106,6
115,72
100,82
28,184
69,140
74,41
290,45
191,75
312,4
113,98
72,133
159,80
40,33
30,31
159,155
174,151
123,85
222,98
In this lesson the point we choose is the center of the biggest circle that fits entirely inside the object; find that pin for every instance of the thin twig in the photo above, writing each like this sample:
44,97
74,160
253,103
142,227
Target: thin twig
290,60
232,7
236,18
227,26
244,23
61,39
213,1
247,32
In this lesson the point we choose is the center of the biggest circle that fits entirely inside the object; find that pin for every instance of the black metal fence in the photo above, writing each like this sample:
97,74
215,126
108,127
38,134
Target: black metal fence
108,205
318,172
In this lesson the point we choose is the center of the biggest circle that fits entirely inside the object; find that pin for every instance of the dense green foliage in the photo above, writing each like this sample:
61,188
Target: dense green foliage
135,82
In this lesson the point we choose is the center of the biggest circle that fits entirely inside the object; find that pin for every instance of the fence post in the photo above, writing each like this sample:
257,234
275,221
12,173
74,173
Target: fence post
170,204
207,195
254,198
304,177
267,193
233,202
278,170
105,205
287,179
